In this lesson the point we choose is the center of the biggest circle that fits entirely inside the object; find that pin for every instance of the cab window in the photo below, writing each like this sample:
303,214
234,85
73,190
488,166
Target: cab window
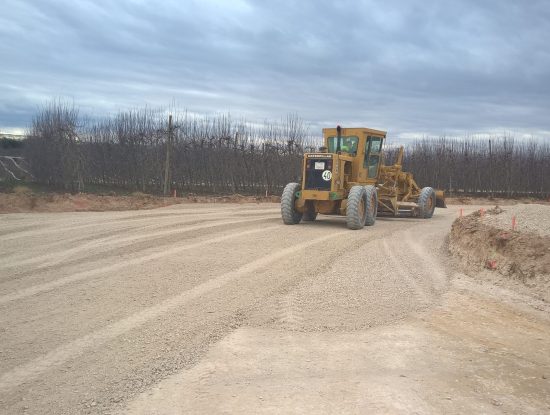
376,144
373,146
347,145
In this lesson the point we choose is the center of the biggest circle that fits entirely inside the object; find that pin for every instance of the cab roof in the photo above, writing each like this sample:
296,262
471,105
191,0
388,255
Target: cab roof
329,132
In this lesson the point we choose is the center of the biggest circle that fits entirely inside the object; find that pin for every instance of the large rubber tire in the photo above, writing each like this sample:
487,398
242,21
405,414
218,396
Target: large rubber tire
356,212
426,203
309,215
372,205
288,211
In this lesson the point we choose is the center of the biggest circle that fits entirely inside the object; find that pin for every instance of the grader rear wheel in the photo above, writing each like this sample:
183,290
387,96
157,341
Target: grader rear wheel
356,211
426,203
371,196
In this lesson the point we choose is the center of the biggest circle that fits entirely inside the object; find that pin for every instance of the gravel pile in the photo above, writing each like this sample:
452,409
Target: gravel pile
532,218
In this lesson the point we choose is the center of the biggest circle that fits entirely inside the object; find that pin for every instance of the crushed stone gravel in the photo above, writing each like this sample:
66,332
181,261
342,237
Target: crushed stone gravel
530,218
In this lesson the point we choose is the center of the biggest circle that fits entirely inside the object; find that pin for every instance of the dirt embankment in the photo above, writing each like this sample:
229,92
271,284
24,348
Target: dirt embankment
511,242
23,200
468,200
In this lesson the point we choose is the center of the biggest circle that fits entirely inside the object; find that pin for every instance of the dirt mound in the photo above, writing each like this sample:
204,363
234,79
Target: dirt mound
475,200
486,241
53,202
234,198
22,200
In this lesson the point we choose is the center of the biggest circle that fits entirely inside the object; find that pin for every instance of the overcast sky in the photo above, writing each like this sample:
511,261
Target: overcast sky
410,67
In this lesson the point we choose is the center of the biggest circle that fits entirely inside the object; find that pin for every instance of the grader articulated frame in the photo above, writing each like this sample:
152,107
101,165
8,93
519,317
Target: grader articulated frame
348,177
398,191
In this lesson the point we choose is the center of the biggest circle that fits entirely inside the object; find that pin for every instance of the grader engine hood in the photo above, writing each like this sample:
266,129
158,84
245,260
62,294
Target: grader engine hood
318,171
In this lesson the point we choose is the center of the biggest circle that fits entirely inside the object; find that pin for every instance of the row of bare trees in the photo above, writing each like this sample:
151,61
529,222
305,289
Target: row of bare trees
219,154
214,154
500,167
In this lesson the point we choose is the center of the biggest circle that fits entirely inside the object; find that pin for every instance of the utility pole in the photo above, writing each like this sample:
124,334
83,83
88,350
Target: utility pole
490,169
168,151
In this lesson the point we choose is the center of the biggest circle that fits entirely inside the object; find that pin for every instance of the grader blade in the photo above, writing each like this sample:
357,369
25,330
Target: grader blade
440,199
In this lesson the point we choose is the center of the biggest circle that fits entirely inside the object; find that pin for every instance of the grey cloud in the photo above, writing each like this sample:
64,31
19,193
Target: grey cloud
406,66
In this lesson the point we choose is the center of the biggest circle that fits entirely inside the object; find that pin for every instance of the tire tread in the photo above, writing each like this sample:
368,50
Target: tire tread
289,214
353,220
425,194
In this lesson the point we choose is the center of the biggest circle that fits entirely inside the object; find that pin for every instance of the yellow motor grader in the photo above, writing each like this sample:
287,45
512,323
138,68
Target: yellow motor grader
348,177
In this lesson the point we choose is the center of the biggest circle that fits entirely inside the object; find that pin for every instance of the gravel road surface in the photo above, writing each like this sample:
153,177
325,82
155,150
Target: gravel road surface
223,309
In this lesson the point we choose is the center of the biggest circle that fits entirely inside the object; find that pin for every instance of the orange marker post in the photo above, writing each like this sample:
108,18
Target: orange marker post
514,223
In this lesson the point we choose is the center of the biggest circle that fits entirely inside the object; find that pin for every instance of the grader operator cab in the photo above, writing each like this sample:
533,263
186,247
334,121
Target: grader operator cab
348,177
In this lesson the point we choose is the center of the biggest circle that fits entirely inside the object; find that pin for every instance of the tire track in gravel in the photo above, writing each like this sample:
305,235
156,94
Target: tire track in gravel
129,220
52,229
415,263
289,314
39,288
353,284
73,349
404,272
98,245
17,253
6,229
434,269
14,252
18,250
19,279
38,324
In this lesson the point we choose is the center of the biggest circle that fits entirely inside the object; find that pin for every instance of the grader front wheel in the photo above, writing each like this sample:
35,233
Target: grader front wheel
289,213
